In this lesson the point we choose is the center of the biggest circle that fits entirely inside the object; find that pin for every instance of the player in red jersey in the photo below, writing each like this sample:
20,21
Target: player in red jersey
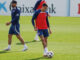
41,25
38,6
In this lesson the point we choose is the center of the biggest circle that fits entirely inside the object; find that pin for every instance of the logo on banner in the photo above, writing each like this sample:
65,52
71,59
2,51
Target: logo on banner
78,8
52,9
25,9
2,6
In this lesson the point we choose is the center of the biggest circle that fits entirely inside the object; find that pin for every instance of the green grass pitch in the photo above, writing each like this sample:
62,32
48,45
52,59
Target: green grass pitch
64,41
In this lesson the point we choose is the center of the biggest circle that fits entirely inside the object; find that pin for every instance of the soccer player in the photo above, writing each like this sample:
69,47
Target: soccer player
41,25
15,26
38,6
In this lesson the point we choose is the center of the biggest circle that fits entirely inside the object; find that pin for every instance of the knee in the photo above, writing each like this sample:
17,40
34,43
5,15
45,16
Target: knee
9,35
18,36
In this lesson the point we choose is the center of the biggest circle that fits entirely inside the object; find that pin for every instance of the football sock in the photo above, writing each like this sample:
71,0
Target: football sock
45,50
25,46
9,46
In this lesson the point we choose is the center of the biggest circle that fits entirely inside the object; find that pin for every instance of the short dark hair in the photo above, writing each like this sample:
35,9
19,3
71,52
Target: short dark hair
45,5
14,2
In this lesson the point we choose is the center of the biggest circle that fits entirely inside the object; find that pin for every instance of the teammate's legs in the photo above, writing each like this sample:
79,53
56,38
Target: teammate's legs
9,42
17,33
9,39
20,38
22,41
36,37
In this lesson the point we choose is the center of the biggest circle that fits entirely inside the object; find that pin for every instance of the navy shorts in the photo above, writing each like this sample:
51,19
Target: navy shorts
43,32
14,29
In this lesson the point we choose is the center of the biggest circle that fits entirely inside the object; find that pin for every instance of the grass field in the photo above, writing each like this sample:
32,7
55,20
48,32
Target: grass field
64,42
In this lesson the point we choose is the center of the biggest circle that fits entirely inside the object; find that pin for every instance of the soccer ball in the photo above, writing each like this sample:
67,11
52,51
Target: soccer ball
50,54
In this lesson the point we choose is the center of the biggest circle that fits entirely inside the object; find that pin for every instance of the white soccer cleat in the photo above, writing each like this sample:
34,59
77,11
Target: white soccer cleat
26,48
36,39
45,54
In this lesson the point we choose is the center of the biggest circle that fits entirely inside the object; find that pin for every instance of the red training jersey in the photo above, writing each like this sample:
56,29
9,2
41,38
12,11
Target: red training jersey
40,21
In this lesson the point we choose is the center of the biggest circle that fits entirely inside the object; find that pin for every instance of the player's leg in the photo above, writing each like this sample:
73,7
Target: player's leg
46,48
36,38
22,41
46,38
45,34
43,41
9,42
17,33
20,38
40,33
10,38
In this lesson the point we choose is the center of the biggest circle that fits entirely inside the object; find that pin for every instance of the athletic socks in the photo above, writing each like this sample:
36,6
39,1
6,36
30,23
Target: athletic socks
45,50
36,38
9,46
25,46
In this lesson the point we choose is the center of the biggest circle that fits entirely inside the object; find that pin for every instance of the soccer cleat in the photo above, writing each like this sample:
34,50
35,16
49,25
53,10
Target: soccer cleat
45,55
8,49
25,49
36,39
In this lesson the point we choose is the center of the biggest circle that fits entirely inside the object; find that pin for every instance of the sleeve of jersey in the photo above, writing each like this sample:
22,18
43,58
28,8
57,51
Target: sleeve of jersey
16,17
47,22
36,5
34,17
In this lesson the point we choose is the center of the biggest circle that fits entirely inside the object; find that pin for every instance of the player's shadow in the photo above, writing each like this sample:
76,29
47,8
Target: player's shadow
2,52
27,42
38,58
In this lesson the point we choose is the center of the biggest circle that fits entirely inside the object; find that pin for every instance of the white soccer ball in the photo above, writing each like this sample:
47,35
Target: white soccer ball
50,54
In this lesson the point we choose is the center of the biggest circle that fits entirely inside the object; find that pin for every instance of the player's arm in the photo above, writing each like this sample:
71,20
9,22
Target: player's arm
14,19
36,5
48,25
33,19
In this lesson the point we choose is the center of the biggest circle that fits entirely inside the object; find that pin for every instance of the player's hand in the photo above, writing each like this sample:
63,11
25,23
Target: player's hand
49,15
50,32
8,23
35,29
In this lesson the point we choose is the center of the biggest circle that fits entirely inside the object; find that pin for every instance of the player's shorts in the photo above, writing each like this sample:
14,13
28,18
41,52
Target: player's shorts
14,29
43,32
